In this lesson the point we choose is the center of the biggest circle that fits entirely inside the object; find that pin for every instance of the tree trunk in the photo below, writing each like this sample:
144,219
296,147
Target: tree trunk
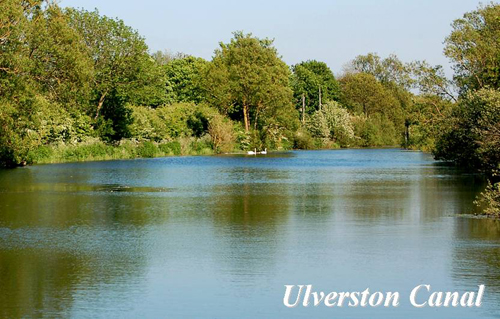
99,105
320,105
245,117
303,108
407,134
255,120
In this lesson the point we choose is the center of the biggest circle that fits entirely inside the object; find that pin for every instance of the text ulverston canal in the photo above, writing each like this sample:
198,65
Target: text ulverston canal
420,296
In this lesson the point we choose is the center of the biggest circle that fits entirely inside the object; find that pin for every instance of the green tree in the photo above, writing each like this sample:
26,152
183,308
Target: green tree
471,135
387,70
221,133
247,80
44,73
165,57
124,70
382,106
431,80
332,122
183,77
362,93
424,119
15,25
474,48
309,80
60,62
419,88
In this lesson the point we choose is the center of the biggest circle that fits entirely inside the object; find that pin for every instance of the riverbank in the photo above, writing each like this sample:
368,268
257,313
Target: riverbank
96,150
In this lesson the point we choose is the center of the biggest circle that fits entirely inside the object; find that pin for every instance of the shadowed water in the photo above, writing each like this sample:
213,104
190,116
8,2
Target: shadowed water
216,237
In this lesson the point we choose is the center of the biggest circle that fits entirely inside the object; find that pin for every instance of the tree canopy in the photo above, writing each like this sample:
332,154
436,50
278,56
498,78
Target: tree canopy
248,81
474,48
311,79
184,79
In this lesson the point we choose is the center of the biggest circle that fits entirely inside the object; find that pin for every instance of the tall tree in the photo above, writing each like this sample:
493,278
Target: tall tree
387,70
164,57
45,73
183,77
474,48
124,70
362,93
470,135
15,24
60,62
310,79
247,80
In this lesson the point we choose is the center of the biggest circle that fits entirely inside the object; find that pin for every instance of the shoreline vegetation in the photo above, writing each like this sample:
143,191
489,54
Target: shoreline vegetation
76,85
133,149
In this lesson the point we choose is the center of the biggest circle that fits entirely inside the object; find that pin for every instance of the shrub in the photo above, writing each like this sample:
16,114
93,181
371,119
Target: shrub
221,133
339,123
376,130
303,140
147,125
147,149
317,125
490,199
30,123
173,148
40,154
170,122
331,123
202,146
177,119
471,137
242,138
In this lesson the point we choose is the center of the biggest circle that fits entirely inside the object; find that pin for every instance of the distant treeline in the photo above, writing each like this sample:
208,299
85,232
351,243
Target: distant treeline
77,85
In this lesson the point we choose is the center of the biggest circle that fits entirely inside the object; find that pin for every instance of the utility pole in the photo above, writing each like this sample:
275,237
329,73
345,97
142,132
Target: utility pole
303,108
320,106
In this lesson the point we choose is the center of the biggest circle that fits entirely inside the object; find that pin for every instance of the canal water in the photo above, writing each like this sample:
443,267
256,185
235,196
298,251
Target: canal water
221,236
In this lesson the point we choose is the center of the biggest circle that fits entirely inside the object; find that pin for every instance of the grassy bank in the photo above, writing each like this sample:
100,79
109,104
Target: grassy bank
129,149
95,150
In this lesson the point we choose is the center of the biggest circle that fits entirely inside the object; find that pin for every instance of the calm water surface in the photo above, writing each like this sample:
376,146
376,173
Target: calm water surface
217,237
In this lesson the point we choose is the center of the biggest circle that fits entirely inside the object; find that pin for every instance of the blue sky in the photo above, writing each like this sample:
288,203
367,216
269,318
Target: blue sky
329,31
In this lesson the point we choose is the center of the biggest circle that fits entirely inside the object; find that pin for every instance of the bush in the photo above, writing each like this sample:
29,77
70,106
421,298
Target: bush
221,133
179,119
147,125
202,146
170,148
147,149
303,140
31,122
375,131
317,125
471,137
332,123
339,123
242,138
170,122
490,199
40,154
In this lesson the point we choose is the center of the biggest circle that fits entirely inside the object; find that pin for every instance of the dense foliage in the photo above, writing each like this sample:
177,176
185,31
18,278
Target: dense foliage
313,83
77,85
470,136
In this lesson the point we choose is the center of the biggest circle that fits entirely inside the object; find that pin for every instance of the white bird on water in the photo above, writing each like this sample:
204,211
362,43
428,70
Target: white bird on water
254,152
